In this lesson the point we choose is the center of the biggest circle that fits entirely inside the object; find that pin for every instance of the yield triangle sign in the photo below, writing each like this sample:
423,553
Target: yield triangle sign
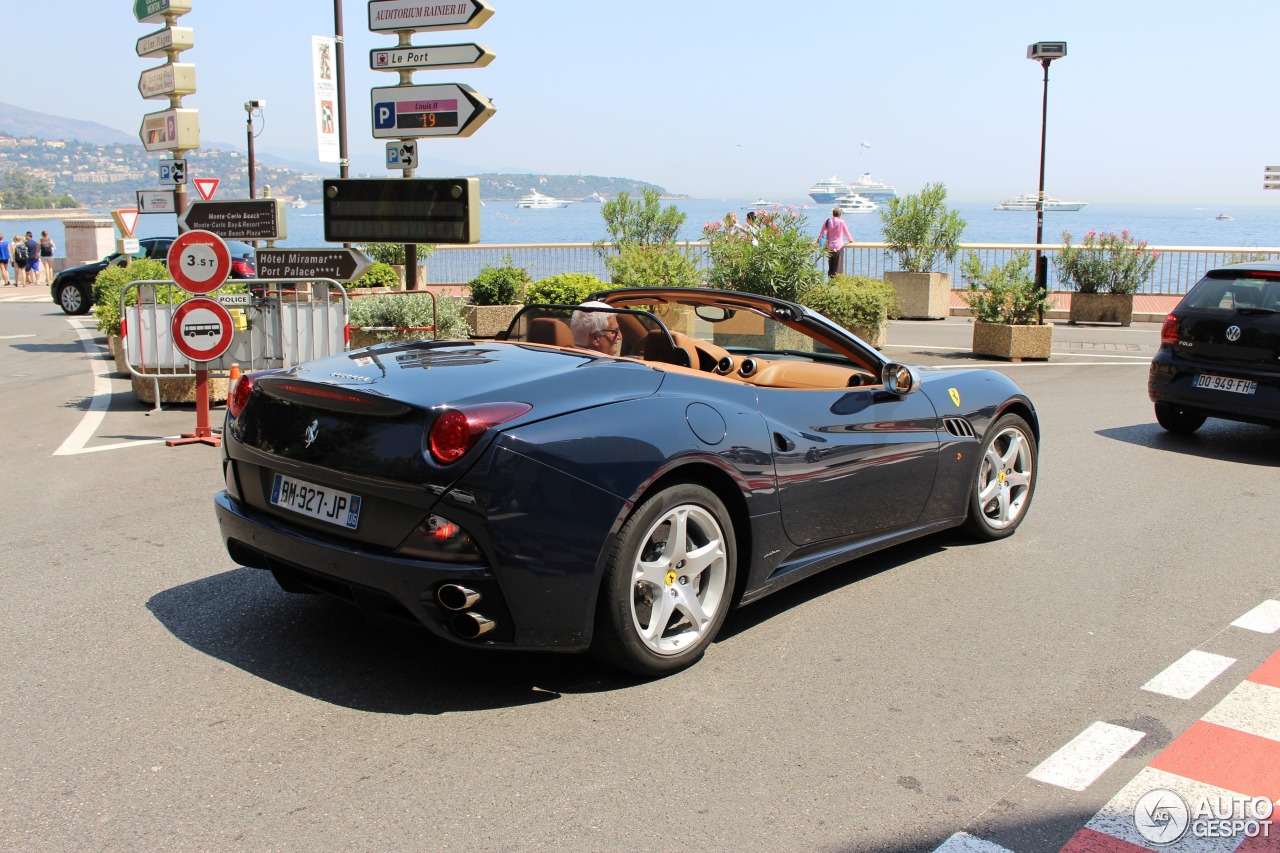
206,187
126,220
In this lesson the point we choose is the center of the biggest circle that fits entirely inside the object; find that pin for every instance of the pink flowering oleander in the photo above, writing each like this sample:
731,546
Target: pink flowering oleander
1105,263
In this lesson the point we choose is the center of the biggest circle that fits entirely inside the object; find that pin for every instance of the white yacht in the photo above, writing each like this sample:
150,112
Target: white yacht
872,190
298,202
826,192
854,203
537,201
761,204
1027,201
596,197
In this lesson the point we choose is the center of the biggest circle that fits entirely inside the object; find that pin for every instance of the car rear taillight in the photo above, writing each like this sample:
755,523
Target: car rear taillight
240,393
241,266
1169,331
438,538
455,431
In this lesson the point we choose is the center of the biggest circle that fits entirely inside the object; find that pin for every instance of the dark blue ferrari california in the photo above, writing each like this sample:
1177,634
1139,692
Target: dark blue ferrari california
613,476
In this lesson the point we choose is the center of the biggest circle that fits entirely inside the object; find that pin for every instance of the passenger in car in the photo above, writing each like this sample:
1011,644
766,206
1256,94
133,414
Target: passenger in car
597,330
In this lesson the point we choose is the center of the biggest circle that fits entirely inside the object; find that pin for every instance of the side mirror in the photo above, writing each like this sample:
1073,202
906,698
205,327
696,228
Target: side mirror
900,379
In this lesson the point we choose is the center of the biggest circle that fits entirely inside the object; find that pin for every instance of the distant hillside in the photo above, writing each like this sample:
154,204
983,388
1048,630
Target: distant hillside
16,121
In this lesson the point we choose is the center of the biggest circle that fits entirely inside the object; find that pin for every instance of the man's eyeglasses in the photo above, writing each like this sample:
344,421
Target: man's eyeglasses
612,333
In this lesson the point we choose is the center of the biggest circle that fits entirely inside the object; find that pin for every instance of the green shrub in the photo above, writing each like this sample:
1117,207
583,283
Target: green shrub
568,288
1006,293
781,261
502,285
393,253
854,302
405,310
1105,263
641,265
111,282
920,231
379,275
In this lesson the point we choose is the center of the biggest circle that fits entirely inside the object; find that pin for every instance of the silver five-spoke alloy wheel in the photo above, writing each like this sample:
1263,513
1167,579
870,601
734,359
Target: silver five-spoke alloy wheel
1005,479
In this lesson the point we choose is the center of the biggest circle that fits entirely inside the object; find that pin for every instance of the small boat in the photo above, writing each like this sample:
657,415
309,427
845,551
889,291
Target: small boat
1027,201
297,202
537,201
1224,216
854,203
761,204
596,197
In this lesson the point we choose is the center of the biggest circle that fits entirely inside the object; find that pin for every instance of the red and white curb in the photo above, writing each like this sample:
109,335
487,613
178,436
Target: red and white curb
1225,767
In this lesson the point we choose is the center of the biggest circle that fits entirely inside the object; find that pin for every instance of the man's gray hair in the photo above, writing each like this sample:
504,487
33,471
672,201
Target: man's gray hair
584,324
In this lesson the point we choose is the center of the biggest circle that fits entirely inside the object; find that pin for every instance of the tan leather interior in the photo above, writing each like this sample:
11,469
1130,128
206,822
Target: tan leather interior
550,331
658,348
806,374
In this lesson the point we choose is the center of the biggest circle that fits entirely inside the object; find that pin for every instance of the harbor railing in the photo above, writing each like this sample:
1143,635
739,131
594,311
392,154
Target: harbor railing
1177,267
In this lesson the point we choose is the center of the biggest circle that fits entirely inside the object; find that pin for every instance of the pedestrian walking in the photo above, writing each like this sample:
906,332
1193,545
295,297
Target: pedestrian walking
47,248
32,247
836,234
18,251
4,260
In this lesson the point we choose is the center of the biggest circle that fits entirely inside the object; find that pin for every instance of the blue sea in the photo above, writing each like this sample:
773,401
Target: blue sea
1253,226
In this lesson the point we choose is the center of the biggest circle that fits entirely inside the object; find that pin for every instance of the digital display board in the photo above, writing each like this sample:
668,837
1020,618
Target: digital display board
402,210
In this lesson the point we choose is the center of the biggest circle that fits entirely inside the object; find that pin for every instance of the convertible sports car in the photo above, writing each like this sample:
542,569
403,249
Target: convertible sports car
613,476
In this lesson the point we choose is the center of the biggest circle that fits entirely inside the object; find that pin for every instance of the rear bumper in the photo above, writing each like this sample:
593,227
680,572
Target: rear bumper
1172,381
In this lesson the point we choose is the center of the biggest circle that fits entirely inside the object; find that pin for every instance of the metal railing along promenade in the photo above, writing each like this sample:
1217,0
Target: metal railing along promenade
1177,267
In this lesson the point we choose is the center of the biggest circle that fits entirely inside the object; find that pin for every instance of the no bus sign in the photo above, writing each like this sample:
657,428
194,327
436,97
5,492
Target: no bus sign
202,329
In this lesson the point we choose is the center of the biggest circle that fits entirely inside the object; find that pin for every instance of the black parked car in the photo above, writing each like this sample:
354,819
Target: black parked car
1219,351
72,288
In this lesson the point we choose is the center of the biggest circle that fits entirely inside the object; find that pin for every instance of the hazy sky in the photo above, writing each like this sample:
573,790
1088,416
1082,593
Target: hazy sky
1157,100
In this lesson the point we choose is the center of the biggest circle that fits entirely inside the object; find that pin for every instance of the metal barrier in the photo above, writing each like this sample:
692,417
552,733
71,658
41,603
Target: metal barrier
285,322
1177,267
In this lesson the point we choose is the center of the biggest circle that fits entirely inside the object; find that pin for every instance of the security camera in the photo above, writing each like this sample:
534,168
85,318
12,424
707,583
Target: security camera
254,105
1047,50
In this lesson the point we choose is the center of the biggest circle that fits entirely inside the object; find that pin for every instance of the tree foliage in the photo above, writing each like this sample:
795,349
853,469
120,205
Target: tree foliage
21,191
920,230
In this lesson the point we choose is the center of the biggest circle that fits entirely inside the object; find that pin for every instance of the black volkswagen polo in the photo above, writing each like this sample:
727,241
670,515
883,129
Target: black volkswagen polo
1219,351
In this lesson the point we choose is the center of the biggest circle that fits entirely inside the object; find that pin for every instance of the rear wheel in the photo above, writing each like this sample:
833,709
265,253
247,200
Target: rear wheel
1177,420
1005,480
74,297
667,583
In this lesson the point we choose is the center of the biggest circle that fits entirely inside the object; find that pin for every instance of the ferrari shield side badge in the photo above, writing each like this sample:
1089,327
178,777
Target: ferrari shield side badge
954,395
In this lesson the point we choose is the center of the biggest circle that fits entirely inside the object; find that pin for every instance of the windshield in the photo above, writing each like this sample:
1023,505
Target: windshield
1235,292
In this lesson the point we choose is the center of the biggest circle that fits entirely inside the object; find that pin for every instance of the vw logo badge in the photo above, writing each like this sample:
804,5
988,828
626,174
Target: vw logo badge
1233,333
312,431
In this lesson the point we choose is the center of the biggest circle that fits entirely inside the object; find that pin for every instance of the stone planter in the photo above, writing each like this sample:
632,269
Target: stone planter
115,346
876,337
178,390
1012,342
922,295
486,321
370,335
1101,308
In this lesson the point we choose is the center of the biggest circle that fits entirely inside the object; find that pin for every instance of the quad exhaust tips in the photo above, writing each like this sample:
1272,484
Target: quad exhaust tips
452,596
471,625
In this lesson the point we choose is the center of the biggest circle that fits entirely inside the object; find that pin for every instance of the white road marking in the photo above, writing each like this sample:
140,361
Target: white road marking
1189,674
1251,708
1265,618
11,337
98,404
1116,818
963,842
1088,755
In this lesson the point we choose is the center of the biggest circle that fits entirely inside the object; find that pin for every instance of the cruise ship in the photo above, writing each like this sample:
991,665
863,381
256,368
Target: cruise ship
873,190
826,192
537,201
1027,201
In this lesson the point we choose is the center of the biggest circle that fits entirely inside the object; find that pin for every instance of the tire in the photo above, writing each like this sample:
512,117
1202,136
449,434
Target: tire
673,562
1005,480
1178,421
74,298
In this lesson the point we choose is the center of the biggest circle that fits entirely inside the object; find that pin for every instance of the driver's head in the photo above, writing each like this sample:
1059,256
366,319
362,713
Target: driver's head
597,330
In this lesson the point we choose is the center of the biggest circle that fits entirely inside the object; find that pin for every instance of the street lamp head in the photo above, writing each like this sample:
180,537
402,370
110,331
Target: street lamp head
1047,51
250,106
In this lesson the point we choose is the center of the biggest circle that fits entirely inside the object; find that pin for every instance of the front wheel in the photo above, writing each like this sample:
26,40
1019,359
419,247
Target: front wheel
1178,421
667,582
74,298
1005,480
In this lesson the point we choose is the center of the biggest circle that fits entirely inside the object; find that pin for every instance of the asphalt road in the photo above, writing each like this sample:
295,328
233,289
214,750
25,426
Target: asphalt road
156,696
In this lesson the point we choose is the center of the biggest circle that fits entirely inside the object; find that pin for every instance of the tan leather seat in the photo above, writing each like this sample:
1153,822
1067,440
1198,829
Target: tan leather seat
550,331
658,348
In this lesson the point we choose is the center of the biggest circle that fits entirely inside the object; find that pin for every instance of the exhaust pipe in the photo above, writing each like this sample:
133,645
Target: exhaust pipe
454,596
471,625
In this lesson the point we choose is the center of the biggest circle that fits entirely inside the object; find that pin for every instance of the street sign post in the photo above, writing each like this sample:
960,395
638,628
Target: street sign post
173,171
170,130
451,109
434,56
338,264
156,11
240,219
156,201
199,262
202,331
394,15
206,187
126,220
161,42
1271,178
402,154
172,78
410,210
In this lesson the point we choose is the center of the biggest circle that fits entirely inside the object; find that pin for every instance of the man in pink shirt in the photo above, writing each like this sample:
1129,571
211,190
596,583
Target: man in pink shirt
837,234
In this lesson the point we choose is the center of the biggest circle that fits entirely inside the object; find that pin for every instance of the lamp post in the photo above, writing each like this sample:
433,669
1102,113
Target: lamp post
1043,52
251,107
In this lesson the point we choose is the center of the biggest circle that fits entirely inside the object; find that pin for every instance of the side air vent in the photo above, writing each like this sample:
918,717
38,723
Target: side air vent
959,427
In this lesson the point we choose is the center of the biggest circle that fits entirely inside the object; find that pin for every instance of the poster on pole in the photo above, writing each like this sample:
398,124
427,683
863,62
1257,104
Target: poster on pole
326,94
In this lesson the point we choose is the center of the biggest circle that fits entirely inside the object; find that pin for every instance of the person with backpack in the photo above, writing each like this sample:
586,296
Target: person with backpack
47,249
18,250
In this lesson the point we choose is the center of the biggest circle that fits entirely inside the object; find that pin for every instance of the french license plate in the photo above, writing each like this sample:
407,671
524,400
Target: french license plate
340,508
1225,383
